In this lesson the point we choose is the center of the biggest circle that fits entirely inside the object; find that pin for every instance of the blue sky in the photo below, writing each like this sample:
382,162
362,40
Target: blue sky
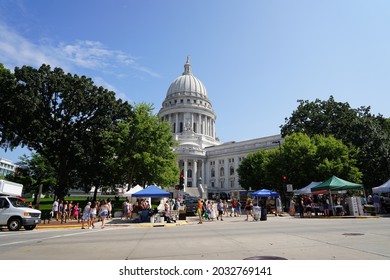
256,58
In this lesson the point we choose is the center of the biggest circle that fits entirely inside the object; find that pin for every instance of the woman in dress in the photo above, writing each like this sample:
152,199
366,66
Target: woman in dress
212,211
75,212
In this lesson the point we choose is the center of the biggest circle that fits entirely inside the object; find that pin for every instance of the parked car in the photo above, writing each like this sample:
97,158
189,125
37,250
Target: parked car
191,204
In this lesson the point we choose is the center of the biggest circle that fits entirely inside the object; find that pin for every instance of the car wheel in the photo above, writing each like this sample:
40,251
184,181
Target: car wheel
14,224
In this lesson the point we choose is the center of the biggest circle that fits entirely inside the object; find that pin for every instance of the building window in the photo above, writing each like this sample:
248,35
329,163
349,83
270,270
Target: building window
232,184
189,173
212,172
222,172
231,170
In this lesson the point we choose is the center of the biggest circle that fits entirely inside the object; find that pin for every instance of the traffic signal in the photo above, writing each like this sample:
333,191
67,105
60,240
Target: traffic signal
284,178
181,181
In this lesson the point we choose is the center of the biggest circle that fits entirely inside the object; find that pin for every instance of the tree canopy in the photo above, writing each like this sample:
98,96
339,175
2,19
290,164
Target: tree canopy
302,159
369,133
144,149
59,116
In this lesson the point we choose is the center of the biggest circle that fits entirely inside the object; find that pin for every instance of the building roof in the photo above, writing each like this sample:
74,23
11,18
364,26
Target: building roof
187,83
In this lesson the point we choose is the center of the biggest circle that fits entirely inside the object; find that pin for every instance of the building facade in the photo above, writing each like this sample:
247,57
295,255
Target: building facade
6,167
208,165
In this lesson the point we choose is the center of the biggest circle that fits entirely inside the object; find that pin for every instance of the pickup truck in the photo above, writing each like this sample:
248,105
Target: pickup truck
14,213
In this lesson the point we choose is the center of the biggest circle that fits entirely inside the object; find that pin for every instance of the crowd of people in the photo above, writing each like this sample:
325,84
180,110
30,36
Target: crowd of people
210,210
66,210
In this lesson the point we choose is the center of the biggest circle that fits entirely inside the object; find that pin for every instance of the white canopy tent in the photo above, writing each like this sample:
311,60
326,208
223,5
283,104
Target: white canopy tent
307,189
132,191
385,188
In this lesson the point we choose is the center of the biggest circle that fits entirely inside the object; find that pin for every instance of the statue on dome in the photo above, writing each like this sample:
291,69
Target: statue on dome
187,126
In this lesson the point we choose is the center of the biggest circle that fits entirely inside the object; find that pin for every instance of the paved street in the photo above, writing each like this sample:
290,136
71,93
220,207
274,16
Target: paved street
278,237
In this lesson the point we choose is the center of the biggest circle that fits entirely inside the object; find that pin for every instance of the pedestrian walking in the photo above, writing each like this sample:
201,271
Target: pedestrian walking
292,207
54,209
75,211
249,209
92,213
233,209
220,209
103,212
199,211
85,217
238,209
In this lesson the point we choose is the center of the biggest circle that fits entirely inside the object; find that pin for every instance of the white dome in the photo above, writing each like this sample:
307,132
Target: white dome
187,84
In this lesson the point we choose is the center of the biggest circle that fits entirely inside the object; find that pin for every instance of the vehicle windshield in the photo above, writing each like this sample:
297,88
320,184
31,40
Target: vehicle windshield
17,202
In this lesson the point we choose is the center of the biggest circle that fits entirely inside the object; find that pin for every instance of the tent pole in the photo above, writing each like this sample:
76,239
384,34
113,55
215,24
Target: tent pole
331,202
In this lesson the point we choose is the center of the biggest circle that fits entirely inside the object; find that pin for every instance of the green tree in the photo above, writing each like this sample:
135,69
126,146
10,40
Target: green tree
252,170
36,174
56,115
357,127
144,149
302,159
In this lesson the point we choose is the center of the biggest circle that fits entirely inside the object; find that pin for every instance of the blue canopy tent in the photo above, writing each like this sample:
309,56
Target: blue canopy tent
152,191
265,193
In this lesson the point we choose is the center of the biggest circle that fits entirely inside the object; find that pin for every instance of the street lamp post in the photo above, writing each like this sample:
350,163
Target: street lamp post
283,176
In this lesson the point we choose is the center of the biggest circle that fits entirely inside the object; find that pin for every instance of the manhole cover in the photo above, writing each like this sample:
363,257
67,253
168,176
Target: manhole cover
352,234
265,258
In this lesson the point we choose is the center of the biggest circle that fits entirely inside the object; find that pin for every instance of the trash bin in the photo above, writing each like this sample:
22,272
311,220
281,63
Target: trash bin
256,212
263,216
182,215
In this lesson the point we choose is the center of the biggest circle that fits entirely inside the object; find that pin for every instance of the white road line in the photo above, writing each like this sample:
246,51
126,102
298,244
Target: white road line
54,237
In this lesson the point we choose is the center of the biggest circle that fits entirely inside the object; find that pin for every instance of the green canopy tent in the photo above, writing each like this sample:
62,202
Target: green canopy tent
335,184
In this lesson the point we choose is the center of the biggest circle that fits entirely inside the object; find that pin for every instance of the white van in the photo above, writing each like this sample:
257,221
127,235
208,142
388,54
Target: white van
14,213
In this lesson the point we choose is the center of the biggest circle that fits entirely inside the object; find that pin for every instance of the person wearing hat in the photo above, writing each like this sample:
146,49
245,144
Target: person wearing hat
85,217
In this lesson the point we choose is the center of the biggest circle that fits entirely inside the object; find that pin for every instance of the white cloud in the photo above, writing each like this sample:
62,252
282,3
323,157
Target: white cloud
16,50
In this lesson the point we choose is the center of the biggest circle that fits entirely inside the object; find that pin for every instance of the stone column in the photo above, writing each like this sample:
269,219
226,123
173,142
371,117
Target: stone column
177,123
199,126
185,173
194,174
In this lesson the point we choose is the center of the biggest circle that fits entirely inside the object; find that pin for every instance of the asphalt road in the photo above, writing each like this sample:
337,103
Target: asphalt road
231,239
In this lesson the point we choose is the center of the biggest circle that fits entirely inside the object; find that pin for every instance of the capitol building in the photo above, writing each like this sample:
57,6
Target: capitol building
209,166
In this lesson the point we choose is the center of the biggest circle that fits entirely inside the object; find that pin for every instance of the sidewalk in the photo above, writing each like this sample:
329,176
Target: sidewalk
118,222
112,222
